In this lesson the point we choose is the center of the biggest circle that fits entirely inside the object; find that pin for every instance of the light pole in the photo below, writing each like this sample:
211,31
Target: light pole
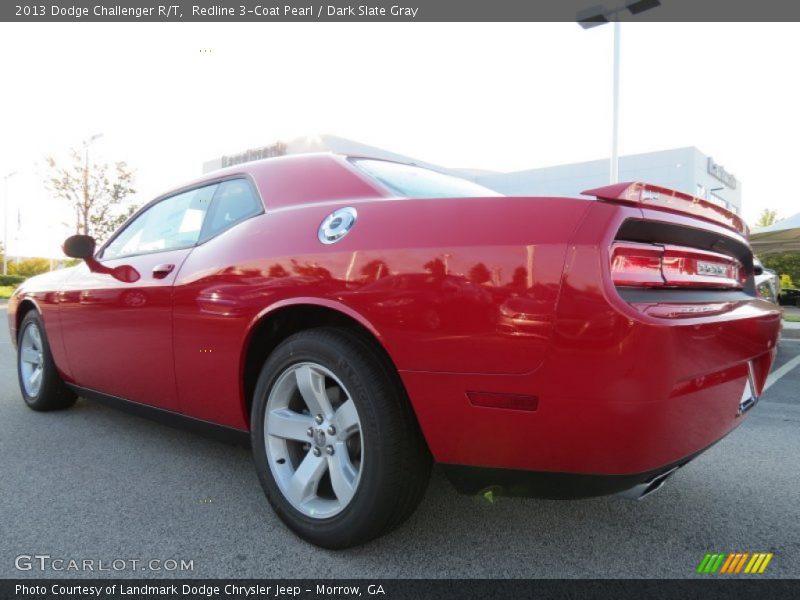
5,221
599,15
615,109
86,144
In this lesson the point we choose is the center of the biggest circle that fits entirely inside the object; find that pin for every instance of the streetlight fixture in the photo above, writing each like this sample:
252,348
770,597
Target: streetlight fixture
594,17
5,221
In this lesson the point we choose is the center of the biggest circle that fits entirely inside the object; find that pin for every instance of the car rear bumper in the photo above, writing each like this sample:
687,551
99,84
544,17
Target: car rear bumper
617,397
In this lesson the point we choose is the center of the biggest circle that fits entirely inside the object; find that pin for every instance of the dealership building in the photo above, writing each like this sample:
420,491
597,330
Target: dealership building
684,169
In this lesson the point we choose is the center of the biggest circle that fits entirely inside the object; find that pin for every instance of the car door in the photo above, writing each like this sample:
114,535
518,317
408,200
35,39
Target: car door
118,335
217,293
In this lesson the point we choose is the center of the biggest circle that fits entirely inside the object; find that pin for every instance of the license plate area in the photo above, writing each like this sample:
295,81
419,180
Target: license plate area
749,397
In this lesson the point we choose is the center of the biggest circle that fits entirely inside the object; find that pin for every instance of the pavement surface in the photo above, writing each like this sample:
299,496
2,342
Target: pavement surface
92,483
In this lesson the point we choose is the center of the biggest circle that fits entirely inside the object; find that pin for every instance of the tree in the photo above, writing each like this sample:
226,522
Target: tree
97,192
787,263
479,273
768,217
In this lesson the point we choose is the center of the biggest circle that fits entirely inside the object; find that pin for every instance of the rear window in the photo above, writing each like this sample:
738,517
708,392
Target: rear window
418,182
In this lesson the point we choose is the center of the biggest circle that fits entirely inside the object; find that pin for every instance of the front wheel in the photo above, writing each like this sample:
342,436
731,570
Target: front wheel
337,447
41,386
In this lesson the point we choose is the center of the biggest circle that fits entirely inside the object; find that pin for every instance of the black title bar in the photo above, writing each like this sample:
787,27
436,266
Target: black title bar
589,11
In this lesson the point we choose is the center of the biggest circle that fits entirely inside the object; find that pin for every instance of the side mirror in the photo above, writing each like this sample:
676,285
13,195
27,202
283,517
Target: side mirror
758,267
83,246
79,246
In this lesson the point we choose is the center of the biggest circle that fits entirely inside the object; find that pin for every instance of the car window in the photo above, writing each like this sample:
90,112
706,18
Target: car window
172,223
234,202
416,182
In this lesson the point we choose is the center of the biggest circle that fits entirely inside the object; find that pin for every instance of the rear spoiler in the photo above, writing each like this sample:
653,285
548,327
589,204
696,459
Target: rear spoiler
660,198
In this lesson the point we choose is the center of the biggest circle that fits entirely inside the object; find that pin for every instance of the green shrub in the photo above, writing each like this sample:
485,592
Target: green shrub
12,280
28,267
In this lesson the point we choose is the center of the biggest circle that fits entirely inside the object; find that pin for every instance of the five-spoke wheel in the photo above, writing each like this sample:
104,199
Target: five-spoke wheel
31,358
39,380
313,440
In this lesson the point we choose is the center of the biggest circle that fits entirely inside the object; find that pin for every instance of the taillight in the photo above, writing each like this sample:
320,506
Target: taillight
637,264
689,267
652,265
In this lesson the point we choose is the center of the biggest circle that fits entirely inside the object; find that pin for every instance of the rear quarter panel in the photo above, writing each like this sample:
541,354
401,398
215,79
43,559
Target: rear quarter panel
447,285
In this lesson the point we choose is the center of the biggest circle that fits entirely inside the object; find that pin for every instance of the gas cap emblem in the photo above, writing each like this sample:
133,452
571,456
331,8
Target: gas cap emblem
337,225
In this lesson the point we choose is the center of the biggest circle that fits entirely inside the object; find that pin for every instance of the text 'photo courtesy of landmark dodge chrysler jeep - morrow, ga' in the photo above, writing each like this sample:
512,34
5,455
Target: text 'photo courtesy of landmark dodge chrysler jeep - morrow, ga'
360,319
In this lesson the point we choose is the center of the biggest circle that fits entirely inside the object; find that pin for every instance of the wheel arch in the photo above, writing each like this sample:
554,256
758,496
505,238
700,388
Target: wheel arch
25,306
276,323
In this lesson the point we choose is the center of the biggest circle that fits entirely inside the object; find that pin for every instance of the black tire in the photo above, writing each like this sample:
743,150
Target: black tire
397,464
53,394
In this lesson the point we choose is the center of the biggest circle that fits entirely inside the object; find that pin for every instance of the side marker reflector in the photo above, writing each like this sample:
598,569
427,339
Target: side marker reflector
509,401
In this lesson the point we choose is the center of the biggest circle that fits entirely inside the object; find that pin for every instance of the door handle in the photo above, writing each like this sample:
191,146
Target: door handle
161,271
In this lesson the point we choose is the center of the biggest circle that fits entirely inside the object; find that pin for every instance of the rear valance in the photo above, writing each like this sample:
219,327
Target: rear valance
660,198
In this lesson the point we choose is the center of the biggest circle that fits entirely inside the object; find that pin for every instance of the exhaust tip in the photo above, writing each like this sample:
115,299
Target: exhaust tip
643,490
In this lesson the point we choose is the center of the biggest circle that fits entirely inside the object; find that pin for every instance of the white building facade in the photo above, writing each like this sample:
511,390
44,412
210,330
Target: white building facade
684,169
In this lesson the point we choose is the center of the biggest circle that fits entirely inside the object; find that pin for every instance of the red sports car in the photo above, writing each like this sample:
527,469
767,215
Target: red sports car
359,319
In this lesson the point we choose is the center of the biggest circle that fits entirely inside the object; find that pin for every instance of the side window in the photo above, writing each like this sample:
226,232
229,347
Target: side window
234,202
174,222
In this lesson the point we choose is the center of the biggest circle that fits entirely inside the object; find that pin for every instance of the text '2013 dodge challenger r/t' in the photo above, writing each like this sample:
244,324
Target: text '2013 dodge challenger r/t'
361,318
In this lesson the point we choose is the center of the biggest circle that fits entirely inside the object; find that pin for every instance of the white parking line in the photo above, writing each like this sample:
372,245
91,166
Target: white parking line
778,373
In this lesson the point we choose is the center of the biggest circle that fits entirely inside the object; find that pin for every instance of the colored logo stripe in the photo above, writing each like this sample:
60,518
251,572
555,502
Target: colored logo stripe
734,562
710,563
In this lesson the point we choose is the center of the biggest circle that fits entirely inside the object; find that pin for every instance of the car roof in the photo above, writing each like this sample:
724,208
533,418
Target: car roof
299,179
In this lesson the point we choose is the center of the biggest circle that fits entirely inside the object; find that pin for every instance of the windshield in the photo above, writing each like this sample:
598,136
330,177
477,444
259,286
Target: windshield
417,182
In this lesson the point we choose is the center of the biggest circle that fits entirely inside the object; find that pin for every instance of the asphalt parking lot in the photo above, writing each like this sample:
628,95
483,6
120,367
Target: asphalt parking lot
98,484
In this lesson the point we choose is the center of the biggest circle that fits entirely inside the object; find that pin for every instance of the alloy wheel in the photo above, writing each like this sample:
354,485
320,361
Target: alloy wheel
313,440
31,360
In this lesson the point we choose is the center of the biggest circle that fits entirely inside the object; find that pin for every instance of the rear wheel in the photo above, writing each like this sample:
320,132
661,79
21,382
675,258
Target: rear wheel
41,385
338,450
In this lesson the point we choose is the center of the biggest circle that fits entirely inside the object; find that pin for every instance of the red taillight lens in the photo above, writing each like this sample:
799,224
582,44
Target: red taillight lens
637,264
651,265
688,267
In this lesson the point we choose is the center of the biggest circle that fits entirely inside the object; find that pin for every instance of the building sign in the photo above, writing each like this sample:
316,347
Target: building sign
277,149
720,173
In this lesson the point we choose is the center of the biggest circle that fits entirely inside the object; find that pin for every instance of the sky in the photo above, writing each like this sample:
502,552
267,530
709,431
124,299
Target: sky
507,96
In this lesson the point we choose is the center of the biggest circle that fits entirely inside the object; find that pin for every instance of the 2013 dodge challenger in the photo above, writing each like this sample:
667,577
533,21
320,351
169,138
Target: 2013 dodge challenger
361,318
